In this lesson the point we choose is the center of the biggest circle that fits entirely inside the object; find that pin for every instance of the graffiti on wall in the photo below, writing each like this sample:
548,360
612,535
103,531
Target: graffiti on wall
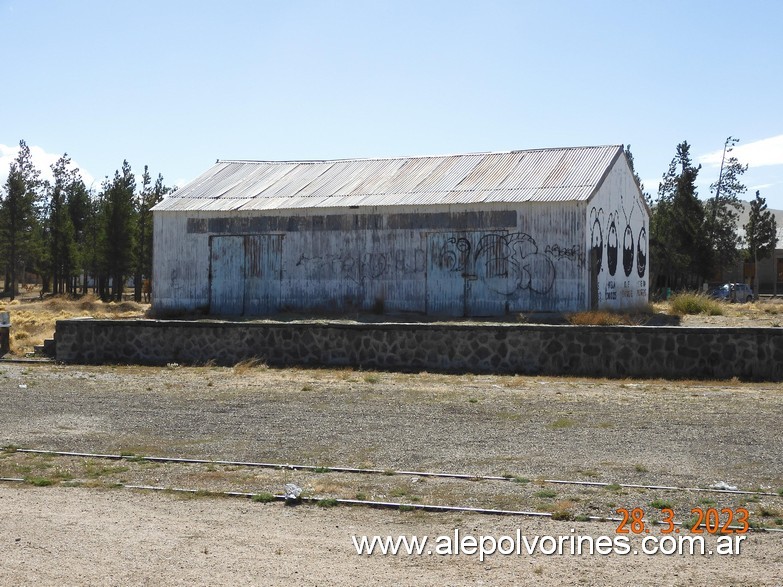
624,243
455,255
628,242
507,264
611,245
570,253
641,253
596,239
633,253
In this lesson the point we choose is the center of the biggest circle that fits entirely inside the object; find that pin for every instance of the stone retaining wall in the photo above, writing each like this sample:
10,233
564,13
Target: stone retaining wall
607,351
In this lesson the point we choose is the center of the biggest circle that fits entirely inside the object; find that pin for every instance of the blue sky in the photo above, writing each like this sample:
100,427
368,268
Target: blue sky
178,84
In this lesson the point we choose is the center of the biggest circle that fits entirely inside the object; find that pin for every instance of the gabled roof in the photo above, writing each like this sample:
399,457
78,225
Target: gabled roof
539,175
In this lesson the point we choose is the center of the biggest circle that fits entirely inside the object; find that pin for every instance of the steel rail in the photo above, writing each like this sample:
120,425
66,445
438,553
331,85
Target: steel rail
355,470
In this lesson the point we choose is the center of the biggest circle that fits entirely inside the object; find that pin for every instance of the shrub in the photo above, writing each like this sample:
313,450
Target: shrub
694,303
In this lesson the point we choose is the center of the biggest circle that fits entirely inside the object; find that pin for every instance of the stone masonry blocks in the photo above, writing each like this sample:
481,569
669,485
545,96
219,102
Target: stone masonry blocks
606,351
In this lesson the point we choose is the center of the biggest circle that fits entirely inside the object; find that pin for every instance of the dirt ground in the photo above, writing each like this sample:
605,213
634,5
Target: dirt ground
529,430
55,536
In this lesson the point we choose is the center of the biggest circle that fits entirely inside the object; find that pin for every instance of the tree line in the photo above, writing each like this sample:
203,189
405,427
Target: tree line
72,238
693,240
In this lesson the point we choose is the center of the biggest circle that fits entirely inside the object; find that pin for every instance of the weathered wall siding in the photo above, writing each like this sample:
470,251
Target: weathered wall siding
617,229
560,236
180,272
425,259
619,351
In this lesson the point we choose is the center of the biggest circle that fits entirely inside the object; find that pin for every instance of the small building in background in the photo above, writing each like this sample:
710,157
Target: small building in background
479,234
770,268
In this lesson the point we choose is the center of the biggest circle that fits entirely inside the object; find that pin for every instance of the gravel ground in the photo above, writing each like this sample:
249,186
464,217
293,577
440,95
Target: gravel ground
691,434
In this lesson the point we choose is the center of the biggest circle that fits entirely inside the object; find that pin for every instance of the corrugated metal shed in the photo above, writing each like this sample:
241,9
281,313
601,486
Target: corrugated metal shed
540,175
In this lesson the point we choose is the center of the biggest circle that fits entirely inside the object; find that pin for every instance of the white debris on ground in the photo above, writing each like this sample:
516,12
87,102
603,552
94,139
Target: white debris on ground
292,492
723,486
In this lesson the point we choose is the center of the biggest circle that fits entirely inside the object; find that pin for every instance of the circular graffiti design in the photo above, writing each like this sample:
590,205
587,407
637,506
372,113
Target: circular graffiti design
641,255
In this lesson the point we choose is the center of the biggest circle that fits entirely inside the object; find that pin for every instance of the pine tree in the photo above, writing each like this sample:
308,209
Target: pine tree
19,224
118,231
636,177
722,211
760,234
679,252
148,197
80,211
60,238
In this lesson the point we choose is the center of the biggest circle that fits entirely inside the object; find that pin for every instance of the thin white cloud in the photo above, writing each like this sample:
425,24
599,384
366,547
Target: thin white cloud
756,154
42,160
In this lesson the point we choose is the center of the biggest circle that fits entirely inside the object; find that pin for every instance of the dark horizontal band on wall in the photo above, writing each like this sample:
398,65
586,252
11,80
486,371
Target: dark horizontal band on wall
473,220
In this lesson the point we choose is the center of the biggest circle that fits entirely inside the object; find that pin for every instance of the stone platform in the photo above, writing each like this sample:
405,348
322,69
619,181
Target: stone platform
602,351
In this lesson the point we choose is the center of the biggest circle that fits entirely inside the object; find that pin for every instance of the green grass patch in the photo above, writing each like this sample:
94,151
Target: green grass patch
661,504
589,473
546,493
562,423
263,497
94,471
327,503
39,481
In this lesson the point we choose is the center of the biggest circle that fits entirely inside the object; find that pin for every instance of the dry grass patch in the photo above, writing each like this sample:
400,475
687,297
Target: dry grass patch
596,318
33,322
632,317
249,365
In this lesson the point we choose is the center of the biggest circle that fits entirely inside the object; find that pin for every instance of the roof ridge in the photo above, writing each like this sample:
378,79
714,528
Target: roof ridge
402,157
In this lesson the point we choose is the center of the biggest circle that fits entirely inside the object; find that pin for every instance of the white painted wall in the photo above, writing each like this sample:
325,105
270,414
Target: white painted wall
618,227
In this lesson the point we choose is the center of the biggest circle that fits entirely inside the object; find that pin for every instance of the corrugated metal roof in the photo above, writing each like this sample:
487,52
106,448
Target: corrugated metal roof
539,175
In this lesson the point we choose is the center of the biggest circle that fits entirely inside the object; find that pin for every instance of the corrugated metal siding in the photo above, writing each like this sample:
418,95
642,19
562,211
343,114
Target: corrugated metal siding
488,259
545,175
